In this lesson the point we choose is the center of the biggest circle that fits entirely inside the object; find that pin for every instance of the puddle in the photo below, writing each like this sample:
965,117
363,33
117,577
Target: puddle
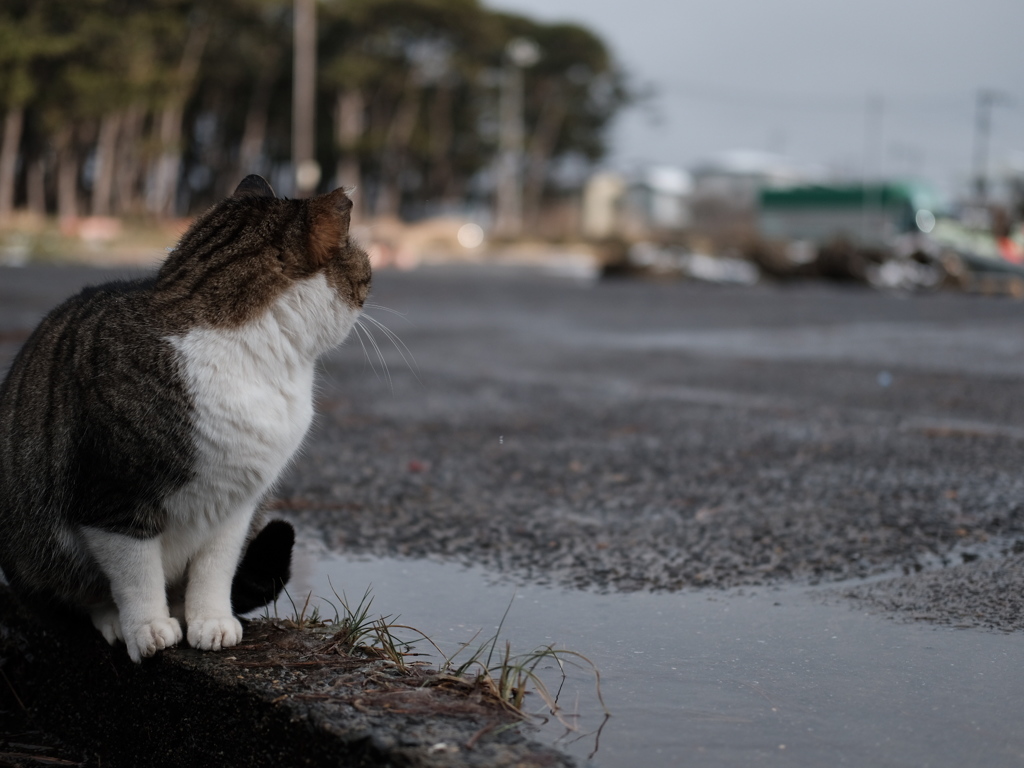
766,676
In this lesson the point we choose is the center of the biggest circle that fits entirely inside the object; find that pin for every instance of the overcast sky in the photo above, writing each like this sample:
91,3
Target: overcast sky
796,76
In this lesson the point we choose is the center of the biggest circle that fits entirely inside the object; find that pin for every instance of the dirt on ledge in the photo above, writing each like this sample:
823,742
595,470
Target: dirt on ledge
284,697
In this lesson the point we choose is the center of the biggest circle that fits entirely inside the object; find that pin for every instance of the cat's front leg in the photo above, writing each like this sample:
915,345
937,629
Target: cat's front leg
106,619
135,570
210,622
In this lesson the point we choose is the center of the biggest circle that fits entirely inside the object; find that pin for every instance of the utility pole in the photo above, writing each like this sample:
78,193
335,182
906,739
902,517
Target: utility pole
986,99
873,174
874,137
307,170
508,220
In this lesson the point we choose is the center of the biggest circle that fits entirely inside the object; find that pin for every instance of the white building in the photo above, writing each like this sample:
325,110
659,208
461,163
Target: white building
655,200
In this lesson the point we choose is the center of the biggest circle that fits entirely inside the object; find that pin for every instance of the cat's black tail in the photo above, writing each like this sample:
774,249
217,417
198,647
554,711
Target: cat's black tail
265,568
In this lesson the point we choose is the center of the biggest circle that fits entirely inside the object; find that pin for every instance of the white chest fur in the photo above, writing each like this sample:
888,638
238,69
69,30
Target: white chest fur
251,412
251,389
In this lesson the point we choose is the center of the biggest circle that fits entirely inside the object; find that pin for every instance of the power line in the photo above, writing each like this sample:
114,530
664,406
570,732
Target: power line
728,95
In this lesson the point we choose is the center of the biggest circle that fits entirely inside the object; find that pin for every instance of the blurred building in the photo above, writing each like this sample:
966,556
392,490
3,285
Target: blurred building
651,203
602,196
726,190
867,215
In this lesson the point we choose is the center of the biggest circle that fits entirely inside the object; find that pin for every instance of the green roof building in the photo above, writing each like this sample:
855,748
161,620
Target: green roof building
866,214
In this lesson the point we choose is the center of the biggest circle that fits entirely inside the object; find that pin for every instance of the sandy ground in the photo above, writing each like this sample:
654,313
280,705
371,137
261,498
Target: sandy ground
630,435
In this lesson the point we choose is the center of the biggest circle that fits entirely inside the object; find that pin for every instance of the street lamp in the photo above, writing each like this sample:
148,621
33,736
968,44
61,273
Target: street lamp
520,53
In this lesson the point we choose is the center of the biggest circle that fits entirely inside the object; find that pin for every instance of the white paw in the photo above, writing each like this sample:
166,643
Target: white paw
108,621
214,633
152,636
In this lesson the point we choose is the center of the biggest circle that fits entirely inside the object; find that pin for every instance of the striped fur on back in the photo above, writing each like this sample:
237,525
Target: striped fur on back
95,431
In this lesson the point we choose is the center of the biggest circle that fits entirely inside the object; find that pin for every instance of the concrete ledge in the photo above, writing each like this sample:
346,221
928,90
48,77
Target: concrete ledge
282,698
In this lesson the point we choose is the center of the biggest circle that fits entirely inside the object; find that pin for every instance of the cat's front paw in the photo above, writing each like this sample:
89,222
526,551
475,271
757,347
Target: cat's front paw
152,636
214,633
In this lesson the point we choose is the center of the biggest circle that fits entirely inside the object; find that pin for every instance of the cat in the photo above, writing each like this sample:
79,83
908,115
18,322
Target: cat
143,421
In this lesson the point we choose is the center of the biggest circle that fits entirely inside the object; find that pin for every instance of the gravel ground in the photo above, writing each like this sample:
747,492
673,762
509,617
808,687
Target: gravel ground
985,594
666,436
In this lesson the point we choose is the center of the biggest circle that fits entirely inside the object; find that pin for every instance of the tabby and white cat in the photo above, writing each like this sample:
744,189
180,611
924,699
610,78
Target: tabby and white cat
143,422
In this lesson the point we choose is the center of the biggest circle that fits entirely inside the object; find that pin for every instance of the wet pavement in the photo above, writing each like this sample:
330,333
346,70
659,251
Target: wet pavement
627,437
637,436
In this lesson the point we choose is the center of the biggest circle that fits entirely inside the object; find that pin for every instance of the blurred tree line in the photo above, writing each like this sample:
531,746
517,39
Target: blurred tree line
159,107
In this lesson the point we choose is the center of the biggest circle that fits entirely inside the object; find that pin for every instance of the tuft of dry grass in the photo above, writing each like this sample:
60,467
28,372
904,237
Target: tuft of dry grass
491,673
507,678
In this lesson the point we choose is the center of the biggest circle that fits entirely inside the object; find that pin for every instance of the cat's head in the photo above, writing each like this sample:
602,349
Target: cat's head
249,250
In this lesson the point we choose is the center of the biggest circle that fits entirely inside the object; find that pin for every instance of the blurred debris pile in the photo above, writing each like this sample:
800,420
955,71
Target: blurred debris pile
741,228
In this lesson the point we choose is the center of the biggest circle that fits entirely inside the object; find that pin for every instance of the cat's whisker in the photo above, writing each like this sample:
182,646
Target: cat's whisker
399,345
380,355
359,337
381,307
363,332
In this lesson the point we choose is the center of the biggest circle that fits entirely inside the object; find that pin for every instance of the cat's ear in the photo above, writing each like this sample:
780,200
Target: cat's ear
329,219
254,186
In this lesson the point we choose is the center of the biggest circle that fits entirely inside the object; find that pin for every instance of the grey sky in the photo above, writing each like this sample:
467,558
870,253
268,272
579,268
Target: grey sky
795,76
